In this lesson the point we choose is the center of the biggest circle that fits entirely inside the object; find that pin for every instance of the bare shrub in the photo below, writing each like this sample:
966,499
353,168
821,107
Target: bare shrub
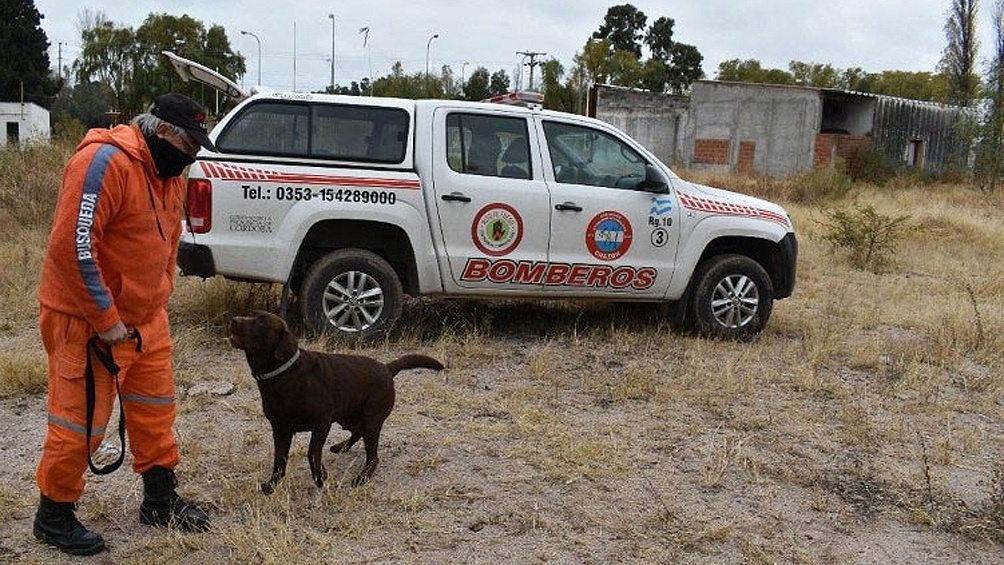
870,237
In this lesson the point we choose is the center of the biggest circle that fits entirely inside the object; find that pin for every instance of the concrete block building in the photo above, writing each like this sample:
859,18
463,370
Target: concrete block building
23,123
779,131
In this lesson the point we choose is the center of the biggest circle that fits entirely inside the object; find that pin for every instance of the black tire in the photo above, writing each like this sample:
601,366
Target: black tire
732,298
352,292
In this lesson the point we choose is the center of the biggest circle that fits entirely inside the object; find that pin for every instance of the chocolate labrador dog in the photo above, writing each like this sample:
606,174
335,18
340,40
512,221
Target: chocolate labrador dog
308,391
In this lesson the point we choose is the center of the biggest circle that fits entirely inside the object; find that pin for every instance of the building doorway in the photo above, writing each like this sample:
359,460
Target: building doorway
13,133
915,153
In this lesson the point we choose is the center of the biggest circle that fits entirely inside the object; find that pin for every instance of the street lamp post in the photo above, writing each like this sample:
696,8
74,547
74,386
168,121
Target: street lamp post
259,52
366,37
332,16
428,44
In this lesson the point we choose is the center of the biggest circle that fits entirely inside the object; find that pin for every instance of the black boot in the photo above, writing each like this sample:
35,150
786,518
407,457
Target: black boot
56,524
162,505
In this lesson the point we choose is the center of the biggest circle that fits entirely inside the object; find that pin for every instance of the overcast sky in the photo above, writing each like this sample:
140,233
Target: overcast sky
875,35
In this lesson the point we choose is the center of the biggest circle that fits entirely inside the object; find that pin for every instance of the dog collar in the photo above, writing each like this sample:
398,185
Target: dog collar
280,370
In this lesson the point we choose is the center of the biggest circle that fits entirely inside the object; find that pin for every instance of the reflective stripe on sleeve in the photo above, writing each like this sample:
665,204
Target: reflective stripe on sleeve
85,221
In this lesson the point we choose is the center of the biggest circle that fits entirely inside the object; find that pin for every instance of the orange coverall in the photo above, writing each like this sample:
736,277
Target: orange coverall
110,257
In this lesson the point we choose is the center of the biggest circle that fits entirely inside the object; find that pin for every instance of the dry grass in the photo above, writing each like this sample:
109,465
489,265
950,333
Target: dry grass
863,427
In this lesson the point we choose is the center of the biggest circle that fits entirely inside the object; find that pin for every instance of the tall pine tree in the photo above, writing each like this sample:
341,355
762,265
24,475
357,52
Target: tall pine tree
24,56
959,59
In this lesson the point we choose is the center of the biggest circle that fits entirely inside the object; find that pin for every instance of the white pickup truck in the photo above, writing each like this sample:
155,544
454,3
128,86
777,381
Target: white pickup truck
353,202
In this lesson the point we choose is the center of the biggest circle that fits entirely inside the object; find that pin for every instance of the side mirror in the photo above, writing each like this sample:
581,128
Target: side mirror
654,181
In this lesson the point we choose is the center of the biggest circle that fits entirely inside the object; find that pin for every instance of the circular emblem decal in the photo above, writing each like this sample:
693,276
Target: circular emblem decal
608,236
497,229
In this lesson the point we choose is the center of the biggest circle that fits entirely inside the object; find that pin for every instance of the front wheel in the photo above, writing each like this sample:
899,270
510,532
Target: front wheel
732,297
351,291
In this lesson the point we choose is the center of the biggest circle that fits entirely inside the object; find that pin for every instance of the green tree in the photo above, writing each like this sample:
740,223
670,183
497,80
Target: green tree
189,38
659,38
499,83
595,61
903,84
556,95
959,58
853,78
623,26
750,70
679,63
814,74
85,102
614,53
684,68
24,56
908,84
361,88
133,67
654,75
990,147
626,69
400,85
108,56
477,85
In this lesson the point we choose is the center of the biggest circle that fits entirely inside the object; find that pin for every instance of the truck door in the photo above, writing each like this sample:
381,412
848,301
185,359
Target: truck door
613,229
492,201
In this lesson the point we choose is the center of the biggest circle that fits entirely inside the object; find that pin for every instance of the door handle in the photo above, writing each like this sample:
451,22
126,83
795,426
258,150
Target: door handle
568,206
455,197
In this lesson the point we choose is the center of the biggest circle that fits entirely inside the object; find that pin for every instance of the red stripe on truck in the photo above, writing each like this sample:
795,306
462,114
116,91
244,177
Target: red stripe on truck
226,171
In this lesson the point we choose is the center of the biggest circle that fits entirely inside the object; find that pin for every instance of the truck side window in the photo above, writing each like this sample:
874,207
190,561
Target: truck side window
581,155
359,133
325,131
268,128
486,145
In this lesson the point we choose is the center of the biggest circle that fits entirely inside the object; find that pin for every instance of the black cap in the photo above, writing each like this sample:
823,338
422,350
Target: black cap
182,111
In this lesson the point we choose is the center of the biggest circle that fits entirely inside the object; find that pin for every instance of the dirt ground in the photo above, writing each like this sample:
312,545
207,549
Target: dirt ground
585,443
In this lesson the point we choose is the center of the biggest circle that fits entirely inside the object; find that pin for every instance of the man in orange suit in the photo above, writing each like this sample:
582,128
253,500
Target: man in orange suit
108,271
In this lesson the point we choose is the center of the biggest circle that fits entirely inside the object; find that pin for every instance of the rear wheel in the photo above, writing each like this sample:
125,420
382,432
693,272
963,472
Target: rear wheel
732,297
353,292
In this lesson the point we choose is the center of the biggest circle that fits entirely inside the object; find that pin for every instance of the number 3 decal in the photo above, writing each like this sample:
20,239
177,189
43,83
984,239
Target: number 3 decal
660,237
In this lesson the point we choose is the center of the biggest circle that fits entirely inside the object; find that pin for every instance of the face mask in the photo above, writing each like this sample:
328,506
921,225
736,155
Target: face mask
170,162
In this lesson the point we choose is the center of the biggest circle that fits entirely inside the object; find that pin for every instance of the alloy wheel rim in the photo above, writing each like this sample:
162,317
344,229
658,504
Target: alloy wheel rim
735,301
353,301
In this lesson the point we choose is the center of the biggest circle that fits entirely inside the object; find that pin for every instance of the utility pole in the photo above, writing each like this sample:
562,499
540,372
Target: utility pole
332,16
59,59
532,55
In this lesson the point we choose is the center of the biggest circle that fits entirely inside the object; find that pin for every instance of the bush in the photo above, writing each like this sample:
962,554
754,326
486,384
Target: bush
68,130
869,163
828,183
869,236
